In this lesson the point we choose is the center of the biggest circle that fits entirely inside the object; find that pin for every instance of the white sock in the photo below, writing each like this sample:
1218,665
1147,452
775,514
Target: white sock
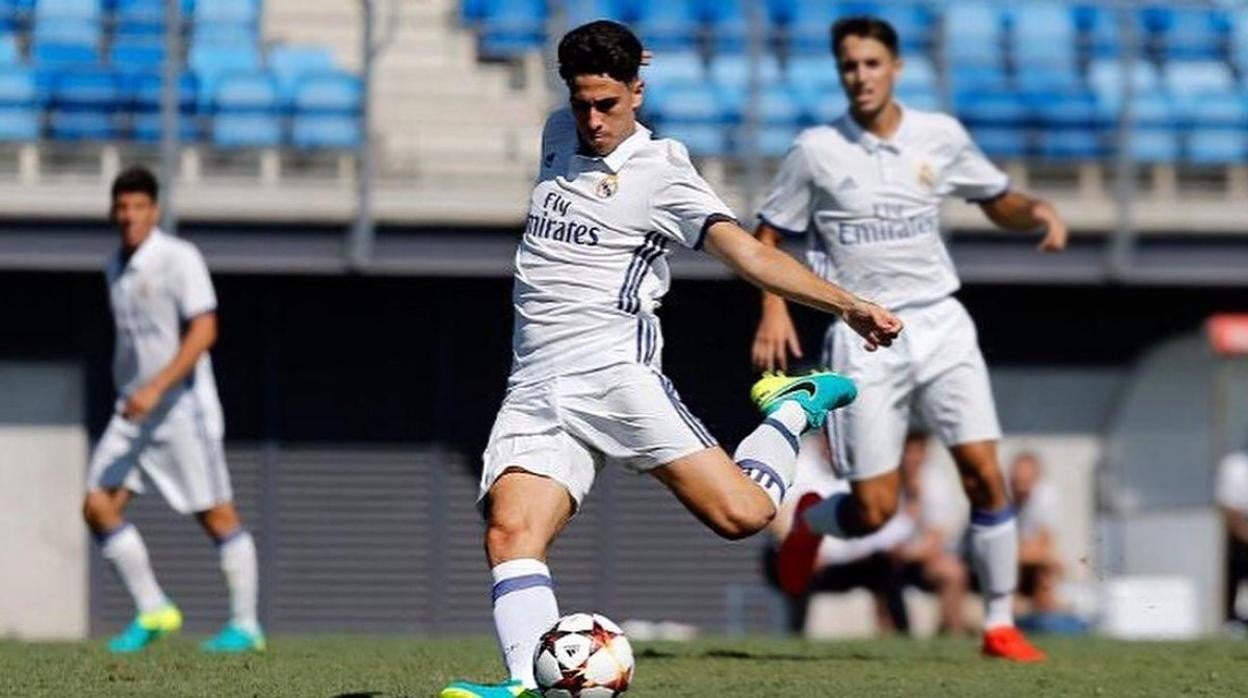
769,454
124,548
524,608
825,517
994,550
238,562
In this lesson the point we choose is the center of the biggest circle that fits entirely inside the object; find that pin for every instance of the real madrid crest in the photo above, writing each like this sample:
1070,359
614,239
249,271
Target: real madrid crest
608,186
927,175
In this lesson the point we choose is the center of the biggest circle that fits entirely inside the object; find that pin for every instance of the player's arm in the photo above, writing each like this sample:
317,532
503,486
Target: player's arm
776,336
200,335
1015,210
1236,523
772,270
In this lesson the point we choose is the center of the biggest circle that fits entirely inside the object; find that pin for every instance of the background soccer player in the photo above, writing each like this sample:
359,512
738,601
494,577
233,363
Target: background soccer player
168,425
586,387
869,185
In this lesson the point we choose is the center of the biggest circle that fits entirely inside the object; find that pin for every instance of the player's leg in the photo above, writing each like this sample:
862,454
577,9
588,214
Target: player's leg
113,477
236,552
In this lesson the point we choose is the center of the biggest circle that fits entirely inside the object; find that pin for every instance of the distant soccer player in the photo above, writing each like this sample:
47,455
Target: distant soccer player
168,425
586,387
868,189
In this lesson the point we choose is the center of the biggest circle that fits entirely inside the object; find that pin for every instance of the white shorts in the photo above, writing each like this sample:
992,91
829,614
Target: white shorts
180,451
935,366
568,427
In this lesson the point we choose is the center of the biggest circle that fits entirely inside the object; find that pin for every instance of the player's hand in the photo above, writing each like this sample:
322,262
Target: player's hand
873,323
140,403
774,339
1055,232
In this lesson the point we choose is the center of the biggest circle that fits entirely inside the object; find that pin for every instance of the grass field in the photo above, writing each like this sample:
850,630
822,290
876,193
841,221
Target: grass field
359,667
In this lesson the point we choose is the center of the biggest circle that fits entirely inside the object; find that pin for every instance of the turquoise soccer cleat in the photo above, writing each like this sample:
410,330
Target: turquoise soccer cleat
234,639
507,689
818,393
145,629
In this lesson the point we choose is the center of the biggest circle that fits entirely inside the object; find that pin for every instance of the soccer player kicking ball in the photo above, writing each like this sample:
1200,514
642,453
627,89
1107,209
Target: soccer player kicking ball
168,424
586,386
868,189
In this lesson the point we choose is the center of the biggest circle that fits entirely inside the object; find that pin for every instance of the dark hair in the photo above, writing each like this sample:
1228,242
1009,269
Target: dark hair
136,180
600,48
864,27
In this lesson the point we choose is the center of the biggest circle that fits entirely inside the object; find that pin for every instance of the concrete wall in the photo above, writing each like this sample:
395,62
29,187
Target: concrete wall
43,450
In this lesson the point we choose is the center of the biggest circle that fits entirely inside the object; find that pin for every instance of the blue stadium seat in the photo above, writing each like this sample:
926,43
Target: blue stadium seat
1239,38
1105,78
978,77
780,105
17,87
1154,145
733,71
9,53
1222,109
582,11
1189,32
1001,142
694,103
1100,29
730,25
290,64
330,92
1155,108
774,141
231,131
1066,110
1223,146
992,109
325,132
1044,34
84,105
807,24
140,18
1045,79
225,35
53,55
137,53
675,68
700,139
512,27
828,106
918,72
83,32
915,24
142,94
149,128
19,124
1191,79
227,12
815,73
246,92
1071,144
668,25
67,9
973,32
211,62
924,98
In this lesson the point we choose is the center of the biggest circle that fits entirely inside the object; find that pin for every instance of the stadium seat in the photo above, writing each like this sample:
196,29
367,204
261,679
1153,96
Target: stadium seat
1001,142
915,24
918,72
775,141
1222,109
1066,110
669,25
778,105
700,139
1191,79
81,32
142,93
1190,32
54,55
1223,146
973,32
19,124
733,71
579,12
227,12
992,109
675,68
67,9
1154,145
1071,144
233,131
924,98
1101,32
815,73
9,53
828,106
149,128
1044,79
695,103
137,53
246,92
731,22
1239,38
317,132
512,27
290,64
17,87
807,26
1044,34
978,77
84,105
330,92
144,18
1155,108
211,62
1105,79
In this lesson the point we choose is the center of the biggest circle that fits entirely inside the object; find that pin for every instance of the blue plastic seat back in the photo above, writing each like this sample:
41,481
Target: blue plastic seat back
734,71
95,90
67,9
1195,78
676,67
1217,146
1001,142
246,130
332,92
582,11
17,87
315,132
144,91
137,54
227,12
1154,145
290,64
19,124
692,103
246,92
1071,144
700,139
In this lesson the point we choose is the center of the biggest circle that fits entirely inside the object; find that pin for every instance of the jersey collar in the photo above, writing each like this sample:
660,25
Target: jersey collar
625,150
871,142
138,260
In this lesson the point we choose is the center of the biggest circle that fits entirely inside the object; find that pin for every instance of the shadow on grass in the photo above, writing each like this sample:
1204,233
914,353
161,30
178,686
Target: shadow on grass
365,694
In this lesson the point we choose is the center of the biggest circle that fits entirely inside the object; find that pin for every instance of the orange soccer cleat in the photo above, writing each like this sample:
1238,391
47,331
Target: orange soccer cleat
1007,642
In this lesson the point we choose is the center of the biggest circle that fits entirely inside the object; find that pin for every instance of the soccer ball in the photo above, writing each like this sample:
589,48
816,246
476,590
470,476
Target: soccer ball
584,655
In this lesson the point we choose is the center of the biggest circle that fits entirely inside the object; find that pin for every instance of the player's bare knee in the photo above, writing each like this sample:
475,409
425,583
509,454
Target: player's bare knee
874,513
98,510
744,519
509,537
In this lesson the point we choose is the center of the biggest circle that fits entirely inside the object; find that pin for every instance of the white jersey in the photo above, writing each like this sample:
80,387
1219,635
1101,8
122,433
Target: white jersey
871,207
591,268
153,295
1232,485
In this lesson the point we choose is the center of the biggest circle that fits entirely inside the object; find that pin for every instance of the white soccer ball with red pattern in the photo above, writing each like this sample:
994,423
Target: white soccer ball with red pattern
584,655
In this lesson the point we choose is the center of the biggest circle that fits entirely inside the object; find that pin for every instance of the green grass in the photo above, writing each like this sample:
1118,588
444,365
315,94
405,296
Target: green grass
329,667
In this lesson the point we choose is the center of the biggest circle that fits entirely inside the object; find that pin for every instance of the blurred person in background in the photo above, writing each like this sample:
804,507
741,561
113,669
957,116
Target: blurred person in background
1039,510
1231,496
866,190
168,427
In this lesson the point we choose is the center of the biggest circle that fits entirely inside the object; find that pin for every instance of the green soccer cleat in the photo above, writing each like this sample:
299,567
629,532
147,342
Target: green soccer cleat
146,629
818,393
507,689
234,639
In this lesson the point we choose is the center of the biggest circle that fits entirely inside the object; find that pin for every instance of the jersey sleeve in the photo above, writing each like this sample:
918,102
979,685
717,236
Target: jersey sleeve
558,138
196,295
787,207
683,206
971,175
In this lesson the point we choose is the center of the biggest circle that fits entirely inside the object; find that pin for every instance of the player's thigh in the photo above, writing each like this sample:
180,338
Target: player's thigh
716,491
633,415
524,511
115,458
955,392
186,461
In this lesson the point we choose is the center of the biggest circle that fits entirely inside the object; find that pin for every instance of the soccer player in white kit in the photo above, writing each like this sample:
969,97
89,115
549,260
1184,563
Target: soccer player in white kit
586,388
866,189
168,425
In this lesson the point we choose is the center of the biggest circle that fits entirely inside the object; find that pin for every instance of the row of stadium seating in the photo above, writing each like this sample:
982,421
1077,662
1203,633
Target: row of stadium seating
972,29
80,70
